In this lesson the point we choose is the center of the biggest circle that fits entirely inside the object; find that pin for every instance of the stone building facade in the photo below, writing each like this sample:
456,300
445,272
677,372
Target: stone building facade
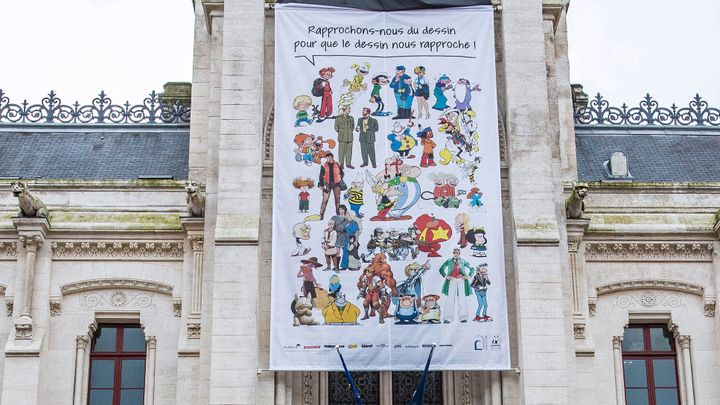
119,250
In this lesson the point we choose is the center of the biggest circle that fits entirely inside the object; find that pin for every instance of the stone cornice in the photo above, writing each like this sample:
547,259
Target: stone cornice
645,187
649,251
116,283
650,284
118,250
210,7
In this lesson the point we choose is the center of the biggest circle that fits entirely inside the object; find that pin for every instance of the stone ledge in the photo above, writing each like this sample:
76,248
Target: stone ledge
115,283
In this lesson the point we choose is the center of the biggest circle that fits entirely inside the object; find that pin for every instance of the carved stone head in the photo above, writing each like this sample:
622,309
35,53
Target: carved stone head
18,188
192,187
581,189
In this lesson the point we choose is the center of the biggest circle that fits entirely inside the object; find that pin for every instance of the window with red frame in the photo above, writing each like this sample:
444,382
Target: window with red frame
117,366
649,365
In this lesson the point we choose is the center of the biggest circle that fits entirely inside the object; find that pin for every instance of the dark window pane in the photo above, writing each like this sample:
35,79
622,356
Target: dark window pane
405,382
633,340
664,371
133,340
131,397
660,339
636,397
666,396
635,373
133,373
367,382
101,397
105,339
102,373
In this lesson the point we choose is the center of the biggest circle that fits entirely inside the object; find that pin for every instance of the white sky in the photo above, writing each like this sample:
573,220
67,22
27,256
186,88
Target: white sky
621,48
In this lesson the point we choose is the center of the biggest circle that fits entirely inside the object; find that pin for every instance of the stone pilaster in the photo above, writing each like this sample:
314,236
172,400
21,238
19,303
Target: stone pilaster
618,369
81,345
535,201
32,233
575,232
195,231
684,342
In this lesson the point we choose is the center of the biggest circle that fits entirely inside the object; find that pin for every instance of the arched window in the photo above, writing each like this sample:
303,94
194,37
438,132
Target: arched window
117,365
649,366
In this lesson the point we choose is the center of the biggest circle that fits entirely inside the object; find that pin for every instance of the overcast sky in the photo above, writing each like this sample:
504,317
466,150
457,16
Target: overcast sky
621,48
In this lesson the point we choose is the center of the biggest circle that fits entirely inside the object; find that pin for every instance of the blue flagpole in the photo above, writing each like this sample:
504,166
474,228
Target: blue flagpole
419,395
356,394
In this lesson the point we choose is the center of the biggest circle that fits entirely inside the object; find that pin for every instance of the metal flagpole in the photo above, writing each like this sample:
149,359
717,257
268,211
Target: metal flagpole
356,394
419,395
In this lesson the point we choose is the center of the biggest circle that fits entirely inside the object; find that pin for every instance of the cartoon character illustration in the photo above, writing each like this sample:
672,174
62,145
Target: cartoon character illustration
354,195
334,286
428,145
476,237
331,179
353,262
457,273
479,284
373,285
367,126
430,233
321,88
395,245
422,91
462,223
341,312
461,131
302,311
407,312
329,245
413,285
444,194
463,94
301,232
469,169
309,282
474,195
344,126
377,82
303,184
301,103
443,83
430,309
357,84
401,141
402,87
310,149
396,189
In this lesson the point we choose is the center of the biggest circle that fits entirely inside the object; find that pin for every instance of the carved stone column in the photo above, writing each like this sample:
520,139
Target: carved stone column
32,233
151,342
81,344
575,231
194,227
684,341
618,367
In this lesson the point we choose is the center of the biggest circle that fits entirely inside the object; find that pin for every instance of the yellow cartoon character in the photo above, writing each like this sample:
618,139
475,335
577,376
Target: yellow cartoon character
341,312
357,84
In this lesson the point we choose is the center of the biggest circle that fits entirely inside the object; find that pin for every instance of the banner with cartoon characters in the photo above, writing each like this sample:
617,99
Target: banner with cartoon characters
387,217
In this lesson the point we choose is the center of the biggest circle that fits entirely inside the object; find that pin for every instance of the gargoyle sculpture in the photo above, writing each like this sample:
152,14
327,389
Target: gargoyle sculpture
195,199
575,204
30,206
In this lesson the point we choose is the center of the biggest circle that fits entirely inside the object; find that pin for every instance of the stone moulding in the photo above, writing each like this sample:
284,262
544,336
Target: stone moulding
648,251
116,283
8,250
118,250
650,284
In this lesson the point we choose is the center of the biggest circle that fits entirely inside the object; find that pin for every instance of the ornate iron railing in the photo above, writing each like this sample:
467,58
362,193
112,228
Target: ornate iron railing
51,110
599,112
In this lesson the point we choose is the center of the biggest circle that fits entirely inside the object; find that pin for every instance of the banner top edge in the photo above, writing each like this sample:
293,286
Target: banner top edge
388,5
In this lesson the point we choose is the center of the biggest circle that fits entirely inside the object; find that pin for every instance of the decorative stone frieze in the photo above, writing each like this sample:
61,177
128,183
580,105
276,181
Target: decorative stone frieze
9,306
117,283
177,307
579,330
116,299
55,306
648,251
268,134
617,342
466,388
649,299
307,388
23,330
118,250
650,284
592,306
3,288
8,250
193,330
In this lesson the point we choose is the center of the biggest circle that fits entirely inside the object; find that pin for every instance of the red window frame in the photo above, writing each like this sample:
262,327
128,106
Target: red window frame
648,355
118,355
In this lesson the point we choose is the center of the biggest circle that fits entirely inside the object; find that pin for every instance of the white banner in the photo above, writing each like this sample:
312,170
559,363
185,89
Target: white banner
387,216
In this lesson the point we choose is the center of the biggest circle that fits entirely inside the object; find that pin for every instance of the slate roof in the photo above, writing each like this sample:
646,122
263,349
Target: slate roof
94,153
663,155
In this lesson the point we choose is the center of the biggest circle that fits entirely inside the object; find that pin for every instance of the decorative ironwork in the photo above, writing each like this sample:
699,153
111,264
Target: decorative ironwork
599,112
367,382
51,110
405,382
